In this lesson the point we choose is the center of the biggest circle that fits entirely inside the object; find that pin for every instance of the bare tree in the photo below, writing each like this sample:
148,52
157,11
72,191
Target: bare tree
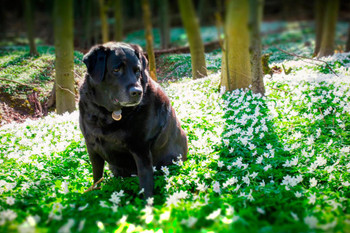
236,69
118,20
328,28
149,38
164,23
255,18
191,25
104,22
64,80
28,16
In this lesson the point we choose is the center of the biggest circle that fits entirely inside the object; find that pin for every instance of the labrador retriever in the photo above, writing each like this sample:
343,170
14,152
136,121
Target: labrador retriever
126,118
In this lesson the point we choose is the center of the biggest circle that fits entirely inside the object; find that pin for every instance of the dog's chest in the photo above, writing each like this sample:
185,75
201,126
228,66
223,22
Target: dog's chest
110,146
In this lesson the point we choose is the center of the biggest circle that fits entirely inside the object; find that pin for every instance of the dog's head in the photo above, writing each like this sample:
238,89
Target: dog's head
118,74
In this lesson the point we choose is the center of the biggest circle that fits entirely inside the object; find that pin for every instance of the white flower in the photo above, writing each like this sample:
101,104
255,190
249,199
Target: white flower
214,215
246,180
150,201
103,204
216,187
10,200
251,146
189,222
312,199
297,135
346,183
230,182
313,182
148,214
310,140
311,221
164,216
81,208
295,216
64,187
267,167
67,227
201,187
115,198
165,170
221,164
259,159
226,142
297,194
176,197
260,210
262,183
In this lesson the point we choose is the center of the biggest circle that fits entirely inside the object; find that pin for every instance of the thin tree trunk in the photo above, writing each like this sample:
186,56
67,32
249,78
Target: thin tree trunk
328,31
28,15
104,22
149,38
164,23
319,21
256,14
87,16
191,25
347,46
236,68
63,30
118,20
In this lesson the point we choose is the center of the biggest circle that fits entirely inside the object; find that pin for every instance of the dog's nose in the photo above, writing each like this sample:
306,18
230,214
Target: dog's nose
135,91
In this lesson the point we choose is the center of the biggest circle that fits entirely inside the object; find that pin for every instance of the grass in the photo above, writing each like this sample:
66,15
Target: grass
278,163
34,72
269,164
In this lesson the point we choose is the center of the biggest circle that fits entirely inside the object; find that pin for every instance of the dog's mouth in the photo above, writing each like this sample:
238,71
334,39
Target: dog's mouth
119,104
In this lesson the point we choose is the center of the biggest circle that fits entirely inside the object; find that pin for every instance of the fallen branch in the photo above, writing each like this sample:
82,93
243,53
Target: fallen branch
94,186
312,59
13,81
208,47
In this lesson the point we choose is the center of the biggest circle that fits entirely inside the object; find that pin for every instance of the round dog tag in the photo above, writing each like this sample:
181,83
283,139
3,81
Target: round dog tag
117,115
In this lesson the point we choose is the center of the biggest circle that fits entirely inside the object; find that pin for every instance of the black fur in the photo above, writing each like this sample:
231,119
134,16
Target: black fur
148,134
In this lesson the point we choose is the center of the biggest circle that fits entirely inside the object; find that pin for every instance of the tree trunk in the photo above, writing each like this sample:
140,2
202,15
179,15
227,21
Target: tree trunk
118,20
64,65
328,31
347,46
191,25
149,38
104,22
164,23
236,68
87,16
28,16
255,18
319,21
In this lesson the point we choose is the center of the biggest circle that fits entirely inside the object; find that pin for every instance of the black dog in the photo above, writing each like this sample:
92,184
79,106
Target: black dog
126,118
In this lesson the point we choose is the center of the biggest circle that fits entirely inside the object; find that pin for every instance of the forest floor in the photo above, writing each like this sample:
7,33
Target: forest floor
26,82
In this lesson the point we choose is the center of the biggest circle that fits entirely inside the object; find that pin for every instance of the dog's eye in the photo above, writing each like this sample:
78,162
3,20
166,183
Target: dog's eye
137,71
116,70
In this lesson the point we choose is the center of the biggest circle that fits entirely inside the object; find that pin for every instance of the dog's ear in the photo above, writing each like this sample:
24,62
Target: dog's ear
139,53
95,61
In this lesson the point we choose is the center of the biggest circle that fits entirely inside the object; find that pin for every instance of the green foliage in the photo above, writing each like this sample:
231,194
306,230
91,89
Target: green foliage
276,163
35,72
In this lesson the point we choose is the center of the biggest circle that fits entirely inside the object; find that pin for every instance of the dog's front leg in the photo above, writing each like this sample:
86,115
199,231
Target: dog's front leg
144,166
97,165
